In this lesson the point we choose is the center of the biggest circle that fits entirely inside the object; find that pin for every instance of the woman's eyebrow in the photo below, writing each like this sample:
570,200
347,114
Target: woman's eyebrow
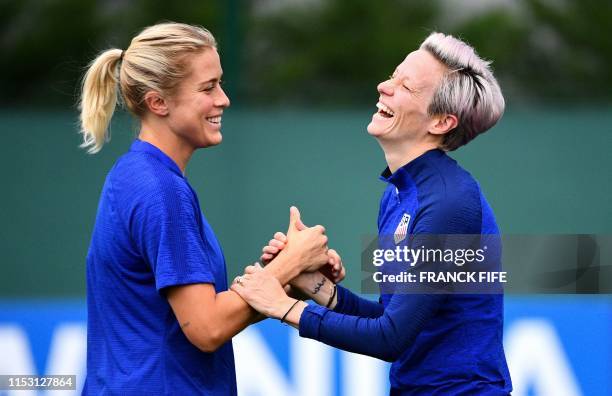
211,80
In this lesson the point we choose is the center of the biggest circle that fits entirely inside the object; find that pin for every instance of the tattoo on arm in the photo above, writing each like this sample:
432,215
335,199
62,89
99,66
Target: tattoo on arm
319,285
185,325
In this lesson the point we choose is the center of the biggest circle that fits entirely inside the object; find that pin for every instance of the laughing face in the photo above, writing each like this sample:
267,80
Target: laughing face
196,108
405,97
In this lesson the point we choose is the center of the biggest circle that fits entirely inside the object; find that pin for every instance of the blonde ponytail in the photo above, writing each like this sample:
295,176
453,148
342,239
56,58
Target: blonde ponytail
99,98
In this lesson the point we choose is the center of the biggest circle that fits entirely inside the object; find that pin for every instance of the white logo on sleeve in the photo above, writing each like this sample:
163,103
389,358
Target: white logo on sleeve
402,229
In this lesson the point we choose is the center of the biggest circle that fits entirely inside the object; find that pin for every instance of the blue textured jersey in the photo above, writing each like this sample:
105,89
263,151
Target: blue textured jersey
440,344
150,234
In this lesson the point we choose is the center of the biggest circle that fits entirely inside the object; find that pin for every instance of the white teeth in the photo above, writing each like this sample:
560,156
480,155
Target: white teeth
385,109
214,120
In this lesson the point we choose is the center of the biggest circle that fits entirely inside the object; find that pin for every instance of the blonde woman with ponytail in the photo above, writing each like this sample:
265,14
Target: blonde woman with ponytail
160,315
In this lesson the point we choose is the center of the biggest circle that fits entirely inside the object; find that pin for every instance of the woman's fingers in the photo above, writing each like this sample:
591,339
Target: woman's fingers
280,237
270,249
334,260
251,269
340,276
273,247
337,269
277,244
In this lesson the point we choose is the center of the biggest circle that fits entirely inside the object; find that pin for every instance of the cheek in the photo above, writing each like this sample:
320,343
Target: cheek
205,104
424,111
414,114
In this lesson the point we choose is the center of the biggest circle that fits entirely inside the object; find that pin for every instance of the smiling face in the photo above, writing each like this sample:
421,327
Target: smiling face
404,99
195,109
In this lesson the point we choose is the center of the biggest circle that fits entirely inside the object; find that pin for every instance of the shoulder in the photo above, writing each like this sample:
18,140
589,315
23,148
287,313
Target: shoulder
138,179
387,194
449,199
446,179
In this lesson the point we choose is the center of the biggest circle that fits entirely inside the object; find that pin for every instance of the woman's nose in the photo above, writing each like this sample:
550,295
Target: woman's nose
386,87
222,99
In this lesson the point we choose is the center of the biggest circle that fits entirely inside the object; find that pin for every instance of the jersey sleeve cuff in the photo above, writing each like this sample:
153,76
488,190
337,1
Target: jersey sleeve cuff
342,297
310,321
178,280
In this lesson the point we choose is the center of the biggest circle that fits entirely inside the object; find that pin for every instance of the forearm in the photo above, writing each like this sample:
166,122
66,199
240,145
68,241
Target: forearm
349,333
321,290
373,337
350,303
232,315
207,318
318,288
284,267
385,337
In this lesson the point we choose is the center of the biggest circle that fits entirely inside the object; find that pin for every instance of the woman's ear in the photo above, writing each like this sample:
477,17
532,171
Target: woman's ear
156,103
443,124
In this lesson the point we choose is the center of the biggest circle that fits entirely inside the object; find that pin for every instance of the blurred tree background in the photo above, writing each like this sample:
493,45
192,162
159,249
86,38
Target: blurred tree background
316,53
300,74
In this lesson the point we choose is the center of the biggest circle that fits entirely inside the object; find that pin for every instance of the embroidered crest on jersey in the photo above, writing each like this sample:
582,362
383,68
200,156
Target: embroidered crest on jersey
402,229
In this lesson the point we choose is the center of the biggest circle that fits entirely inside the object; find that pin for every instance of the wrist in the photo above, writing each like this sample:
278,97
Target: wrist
297,257
333,299
282,307
303,281
285,267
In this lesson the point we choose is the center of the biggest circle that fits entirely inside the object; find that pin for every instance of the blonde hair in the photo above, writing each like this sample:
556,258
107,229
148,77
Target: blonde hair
468,90
154,61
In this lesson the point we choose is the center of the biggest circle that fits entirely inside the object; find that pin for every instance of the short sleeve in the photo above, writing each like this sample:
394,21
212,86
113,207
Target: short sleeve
167,229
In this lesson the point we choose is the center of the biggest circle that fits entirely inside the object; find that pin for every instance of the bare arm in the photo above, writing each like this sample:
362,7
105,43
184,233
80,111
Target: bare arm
210,319
207,318
317,287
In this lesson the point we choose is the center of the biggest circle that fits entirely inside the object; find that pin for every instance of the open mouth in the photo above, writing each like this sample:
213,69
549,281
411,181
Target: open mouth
384,111
214,120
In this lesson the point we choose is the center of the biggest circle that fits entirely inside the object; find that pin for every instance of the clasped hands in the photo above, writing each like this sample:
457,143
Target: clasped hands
317,269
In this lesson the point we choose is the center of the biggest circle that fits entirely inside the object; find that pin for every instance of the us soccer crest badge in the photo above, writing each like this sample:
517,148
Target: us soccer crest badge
402,229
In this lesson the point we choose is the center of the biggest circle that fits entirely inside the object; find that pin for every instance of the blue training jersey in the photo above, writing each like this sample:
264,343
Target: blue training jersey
150,234
440,344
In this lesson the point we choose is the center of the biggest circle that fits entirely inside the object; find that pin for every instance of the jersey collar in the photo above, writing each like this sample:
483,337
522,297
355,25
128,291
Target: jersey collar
404,177
146,147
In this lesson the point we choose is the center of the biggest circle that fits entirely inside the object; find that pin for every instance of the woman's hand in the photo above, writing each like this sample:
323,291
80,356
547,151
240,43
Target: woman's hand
306,245
334,270
274,246
263,292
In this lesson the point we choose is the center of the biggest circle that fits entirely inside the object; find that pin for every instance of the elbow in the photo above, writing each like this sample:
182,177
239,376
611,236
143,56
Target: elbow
209,345
390,355
207,341
393,344
391,350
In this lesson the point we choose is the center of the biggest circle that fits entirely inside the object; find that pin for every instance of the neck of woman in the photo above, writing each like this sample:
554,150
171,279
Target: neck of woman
168,142
400,153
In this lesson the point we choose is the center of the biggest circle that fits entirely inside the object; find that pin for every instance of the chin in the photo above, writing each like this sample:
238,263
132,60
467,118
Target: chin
371,129
218,139
210,141
375,131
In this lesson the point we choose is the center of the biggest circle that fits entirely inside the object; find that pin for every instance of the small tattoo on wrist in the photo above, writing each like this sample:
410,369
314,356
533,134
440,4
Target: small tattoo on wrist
185,325
319,285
